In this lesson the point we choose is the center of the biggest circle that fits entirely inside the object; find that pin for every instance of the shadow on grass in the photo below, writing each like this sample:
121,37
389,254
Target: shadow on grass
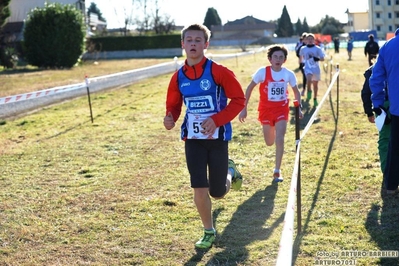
243,229
298,238
382,224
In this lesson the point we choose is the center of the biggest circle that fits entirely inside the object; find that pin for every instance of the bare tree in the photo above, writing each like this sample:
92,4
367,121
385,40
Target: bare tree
162,24
143,22
128,12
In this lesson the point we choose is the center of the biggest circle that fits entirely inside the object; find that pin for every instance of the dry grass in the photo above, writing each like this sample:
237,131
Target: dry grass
116,192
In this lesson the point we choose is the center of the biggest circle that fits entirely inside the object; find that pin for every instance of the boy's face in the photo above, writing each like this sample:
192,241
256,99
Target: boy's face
310,40
194,43
277,59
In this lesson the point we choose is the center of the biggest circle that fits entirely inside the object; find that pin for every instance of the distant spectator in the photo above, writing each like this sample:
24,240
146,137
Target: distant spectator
371,49
311,54
336,45
299,45
349,47
325,45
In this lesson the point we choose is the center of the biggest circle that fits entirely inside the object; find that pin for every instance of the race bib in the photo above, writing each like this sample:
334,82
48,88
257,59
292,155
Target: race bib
311,63
277,91
194,122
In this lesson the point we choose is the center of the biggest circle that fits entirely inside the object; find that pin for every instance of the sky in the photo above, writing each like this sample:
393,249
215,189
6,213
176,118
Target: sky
185,12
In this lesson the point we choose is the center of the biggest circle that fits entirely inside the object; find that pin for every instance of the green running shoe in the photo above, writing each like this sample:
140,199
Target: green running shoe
236,181
207,240
309,95
315,103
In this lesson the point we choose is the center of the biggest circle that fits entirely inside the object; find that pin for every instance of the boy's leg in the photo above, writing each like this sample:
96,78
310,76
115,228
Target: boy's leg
316,79
304,83
196,159
309,78
269,134
281,128
204,206
218,155
315,88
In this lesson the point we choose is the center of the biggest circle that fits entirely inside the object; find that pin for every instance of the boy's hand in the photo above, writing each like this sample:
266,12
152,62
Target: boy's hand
208,126
243,115
168,121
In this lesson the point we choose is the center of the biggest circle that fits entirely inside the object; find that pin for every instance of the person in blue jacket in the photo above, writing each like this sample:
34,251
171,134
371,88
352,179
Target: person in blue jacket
386,69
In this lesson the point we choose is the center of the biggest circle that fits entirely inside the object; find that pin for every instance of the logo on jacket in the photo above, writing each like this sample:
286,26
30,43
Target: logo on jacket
185,84
205,84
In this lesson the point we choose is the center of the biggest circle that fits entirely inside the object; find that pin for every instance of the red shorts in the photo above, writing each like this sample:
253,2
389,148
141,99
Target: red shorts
269,116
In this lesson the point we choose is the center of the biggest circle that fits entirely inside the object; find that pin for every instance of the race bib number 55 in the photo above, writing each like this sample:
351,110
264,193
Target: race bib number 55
194,122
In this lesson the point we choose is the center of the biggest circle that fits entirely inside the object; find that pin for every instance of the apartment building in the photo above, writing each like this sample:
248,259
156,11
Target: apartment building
357,21
384,17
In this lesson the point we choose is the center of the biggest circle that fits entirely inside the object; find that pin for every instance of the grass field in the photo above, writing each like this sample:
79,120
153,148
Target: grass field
116,191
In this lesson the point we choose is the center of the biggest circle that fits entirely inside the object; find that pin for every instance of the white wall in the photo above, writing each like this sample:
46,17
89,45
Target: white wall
20,8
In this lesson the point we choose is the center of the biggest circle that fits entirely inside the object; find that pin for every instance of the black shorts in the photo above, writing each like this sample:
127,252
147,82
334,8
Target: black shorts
204,155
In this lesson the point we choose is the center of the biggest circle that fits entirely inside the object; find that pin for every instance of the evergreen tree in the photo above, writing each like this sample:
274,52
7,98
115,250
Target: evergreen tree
4,11
212,18
305,26
95,10
6,54
328,26
298,27
284,25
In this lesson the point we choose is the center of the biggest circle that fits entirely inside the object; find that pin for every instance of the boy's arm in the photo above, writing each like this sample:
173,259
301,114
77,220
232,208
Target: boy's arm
248,92
174,99
366,94
377,83
233,90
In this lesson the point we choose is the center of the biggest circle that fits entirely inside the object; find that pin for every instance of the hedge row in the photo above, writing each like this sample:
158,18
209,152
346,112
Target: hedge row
128,43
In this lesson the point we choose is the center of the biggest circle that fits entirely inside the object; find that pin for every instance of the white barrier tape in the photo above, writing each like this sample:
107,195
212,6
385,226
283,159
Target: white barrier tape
102,82
42,93
37,94
284,257
311,120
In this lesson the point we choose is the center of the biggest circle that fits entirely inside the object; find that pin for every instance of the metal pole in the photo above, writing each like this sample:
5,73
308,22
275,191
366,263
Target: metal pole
298,185
88,96
337,92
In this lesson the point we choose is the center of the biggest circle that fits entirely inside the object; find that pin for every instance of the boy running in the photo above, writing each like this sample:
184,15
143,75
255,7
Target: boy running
274,103
205,86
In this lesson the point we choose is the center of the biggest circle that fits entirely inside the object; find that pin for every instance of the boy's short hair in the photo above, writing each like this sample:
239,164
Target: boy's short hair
310,35
200,27
275,48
